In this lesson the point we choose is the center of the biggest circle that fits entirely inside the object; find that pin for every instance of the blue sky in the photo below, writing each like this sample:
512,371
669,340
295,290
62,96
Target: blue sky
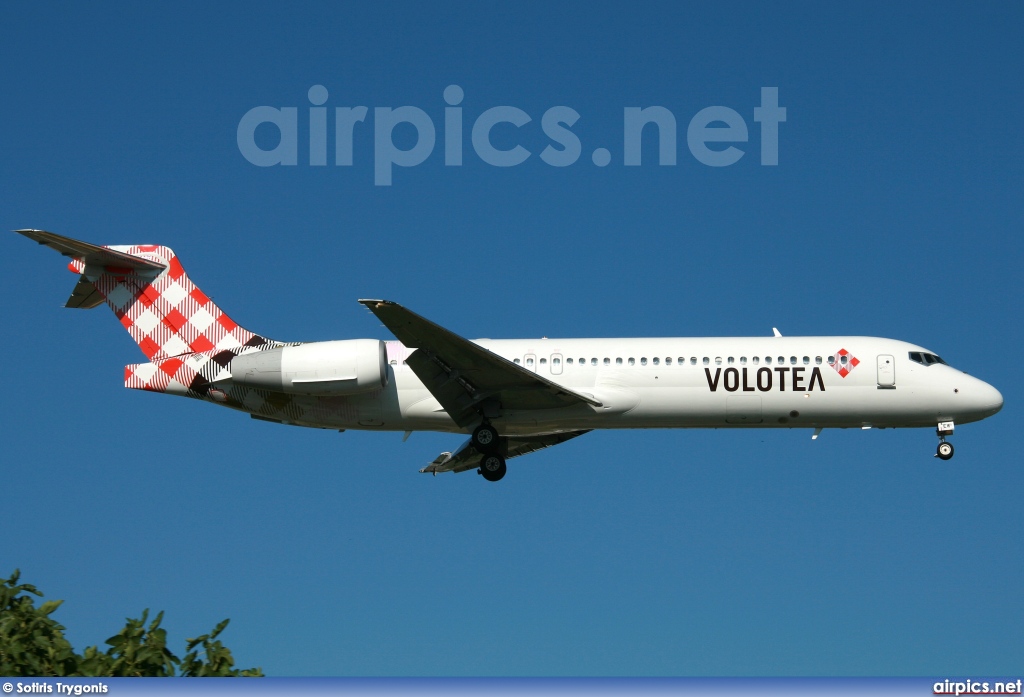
895,210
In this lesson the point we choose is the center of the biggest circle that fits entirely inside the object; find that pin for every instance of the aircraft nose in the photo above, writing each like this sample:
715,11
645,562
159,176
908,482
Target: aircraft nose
986,399
995,399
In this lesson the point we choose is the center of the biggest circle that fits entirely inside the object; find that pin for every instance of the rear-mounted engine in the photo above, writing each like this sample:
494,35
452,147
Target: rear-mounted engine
327,368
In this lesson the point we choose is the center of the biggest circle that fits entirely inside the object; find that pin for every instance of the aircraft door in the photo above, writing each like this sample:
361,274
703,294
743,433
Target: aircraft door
556,364
530,362
886,371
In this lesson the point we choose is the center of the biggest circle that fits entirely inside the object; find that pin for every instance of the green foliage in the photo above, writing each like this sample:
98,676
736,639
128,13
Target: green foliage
32,644
219,660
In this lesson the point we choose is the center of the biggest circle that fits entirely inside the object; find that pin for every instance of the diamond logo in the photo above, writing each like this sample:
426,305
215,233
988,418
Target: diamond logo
844,362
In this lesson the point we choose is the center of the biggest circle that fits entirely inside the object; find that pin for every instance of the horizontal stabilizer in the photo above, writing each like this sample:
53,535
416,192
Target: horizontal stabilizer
152,297
90,254
85,296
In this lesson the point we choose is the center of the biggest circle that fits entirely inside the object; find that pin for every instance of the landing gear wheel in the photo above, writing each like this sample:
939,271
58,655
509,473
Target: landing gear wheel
485,438
945,451
492,467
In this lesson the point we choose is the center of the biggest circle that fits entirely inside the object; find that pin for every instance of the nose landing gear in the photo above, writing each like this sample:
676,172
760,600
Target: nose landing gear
945,449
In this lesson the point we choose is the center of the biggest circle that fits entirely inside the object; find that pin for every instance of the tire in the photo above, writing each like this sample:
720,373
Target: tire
945,450
485,439
492,467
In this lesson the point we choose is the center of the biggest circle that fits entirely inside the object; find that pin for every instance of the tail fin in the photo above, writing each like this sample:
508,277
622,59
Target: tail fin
152,296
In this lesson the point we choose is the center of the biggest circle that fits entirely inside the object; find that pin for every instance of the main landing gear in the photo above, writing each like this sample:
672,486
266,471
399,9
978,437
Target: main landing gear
486,440
492,467
945,449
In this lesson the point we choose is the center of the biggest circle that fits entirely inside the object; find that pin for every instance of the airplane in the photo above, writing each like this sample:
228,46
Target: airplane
510,396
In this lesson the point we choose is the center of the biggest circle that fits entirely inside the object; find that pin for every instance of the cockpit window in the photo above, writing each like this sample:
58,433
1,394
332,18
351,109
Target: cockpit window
925,358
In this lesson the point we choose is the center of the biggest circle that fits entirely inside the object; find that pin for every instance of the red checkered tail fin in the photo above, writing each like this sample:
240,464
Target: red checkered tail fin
152,296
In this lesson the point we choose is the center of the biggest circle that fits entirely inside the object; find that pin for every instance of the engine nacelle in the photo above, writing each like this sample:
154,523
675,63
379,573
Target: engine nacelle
327,368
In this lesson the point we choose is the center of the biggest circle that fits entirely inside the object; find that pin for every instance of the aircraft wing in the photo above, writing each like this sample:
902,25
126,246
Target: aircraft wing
462,375
467,457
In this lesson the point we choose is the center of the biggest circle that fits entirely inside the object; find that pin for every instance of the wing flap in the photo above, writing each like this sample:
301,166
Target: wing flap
467,457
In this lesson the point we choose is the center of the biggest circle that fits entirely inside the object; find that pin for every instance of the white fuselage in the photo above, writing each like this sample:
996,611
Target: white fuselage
782,382
194,349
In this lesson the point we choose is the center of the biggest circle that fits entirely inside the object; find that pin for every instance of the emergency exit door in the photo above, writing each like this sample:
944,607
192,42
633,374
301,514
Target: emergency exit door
886,371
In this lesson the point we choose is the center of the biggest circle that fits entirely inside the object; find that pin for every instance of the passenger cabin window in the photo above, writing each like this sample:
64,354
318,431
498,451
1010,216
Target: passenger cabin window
568,361
693,360
817,360
782,360
516,361
529,361
807,360
607,361
618,361
668,361
731,360
655,360
718,360
632,361
831,360
792,360
543,361
706,360
767,360
593,361
743,360
557,361
643,360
